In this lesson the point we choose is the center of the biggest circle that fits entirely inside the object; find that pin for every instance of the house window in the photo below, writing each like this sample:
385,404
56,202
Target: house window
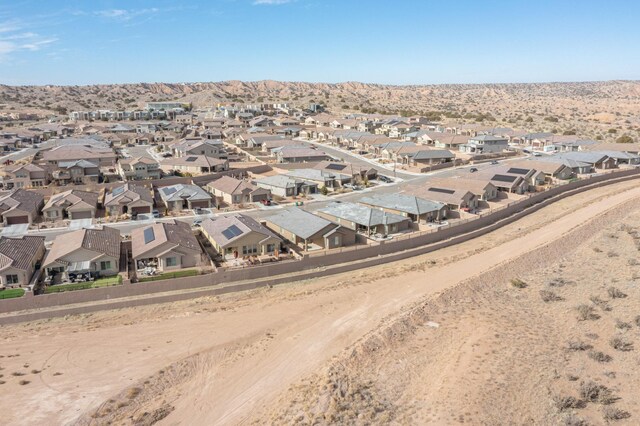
271,248
12,279
171,261
104,265
336,240
252,249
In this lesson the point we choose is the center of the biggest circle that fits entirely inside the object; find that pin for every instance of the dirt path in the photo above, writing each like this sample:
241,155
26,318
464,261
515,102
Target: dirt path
217,361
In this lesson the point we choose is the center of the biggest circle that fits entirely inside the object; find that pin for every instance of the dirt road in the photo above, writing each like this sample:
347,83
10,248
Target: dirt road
217,360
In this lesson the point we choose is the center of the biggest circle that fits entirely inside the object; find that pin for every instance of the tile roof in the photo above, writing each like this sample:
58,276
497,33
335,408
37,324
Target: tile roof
21,199
19,253
177,233
105,241
182,191
217,228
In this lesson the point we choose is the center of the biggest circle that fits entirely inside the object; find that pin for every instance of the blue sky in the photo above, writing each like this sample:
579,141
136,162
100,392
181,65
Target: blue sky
396,42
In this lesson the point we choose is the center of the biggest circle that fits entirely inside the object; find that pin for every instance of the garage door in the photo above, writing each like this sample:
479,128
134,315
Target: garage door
142,209
81,215
201,204
17,219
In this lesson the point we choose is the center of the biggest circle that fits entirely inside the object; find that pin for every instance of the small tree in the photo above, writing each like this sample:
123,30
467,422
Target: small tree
324,190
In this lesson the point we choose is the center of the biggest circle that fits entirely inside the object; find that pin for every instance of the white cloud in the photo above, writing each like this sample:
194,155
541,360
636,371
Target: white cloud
13,39
270,2
126,14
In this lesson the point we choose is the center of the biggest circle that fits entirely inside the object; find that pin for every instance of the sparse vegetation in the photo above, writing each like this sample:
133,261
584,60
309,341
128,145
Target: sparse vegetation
564,403
621,344
613,413
599,356
586,313
578,345
549,296
615,293
518,283
597,393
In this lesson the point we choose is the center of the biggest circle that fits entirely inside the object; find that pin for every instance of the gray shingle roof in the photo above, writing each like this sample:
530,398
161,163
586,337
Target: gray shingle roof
361,215
404,203
300,222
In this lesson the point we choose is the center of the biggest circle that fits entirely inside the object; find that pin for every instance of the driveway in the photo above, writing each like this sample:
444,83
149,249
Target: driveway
79,224
15,230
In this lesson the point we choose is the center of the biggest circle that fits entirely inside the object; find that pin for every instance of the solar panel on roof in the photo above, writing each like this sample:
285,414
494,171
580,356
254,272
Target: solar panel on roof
232,232
149,235
336,166
442,190
517,171
190,159
504,178
168,191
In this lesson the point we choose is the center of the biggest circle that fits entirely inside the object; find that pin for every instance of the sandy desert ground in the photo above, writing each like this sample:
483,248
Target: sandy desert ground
443,338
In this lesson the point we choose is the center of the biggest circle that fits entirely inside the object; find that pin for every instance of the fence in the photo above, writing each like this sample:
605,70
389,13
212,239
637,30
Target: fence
314,265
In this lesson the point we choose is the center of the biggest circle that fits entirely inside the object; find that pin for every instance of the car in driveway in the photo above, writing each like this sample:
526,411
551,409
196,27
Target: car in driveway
494,162
473,169
156,214
197,222
385,179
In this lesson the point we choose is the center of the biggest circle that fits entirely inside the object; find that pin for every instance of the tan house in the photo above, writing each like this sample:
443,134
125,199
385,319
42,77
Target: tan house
482,189
236,191
139,168
71,204
128,199
166,246
194,165
68,153
239,235
309,231
25,176
20,206
181,196
77,172
455,198
18,259
94,251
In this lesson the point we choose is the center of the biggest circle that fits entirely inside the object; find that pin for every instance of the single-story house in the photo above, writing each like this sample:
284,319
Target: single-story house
455,198
96,251
239,235
182,196
287,186
71,204
365,219
301,155
482,189
324,178
128,199
20,206
236,191
310,231
348,169
18,259
166,246
415,208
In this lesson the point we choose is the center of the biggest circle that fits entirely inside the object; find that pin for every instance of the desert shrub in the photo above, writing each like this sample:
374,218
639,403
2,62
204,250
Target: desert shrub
597,249
594,392
572,420
549,296
621,325
586,312
133,392
620,344
599,356
23,382
637,320
613,413
615,293
518,283
566,402
602,304
577,345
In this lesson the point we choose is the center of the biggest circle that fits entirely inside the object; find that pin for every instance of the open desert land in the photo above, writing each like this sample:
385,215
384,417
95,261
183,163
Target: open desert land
589,109
534,323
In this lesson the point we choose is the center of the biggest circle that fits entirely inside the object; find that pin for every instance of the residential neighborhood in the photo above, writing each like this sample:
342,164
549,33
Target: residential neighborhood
192,191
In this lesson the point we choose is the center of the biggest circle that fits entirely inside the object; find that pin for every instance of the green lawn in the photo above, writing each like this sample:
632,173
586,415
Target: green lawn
169,275
11,293
101,282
